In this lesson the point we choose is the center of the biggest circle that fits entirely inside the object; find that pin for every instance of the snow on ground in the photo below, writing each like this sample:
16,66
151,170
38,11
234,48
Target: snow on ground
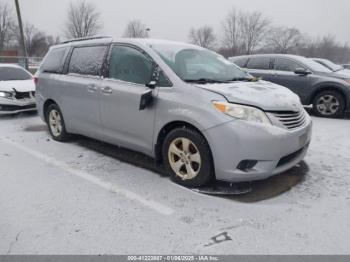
87,197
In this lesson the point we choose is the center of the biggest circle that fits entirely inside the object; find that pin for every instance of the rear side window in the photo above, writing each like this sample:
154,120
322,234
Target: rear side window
282,64
87,60
54,61
241,62
259,63
13,73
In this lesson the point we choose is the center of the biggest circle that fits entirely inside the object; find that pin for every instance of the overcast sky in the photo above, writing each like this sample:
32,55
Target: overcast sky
171,19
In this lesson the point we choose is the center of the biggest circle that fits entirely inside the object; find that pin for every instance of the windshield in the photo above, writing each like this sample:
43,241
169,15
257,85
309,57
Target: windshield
200,65
314,66
331,65
13,73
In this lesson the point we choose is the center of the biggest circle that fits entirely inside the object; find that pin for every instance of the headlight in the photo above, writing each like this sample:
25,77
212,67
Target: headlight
247,113
5,94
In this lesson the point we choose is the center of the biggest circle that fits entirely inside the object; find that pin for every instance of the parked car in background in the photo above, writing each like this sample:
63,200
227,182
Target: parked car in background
327,91
346,66
188,107
17,90
332,66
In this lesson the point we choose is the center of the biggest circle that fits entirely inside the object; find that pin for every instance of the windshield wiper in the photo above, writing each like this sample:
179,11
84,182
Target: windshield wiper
203,81
248,79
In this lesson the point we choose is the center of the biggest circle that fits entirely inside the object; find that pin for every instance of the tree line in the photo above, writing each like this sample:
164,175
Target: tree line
240,33
245,33
37,41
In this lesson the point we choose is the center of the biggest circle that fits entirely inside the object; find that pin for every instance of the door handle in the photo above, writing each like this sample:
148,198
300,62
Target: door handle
92,88
106,90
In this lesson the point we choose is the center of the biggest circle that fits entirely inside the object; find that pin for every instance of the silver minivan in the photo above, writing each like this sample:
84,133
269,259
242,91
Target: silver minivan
189,108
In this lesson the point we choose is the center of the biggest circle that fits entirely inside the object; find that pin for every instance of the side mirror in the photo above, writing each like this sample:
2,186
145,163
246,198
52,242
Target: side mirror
302,71
146,100
152,84
154,77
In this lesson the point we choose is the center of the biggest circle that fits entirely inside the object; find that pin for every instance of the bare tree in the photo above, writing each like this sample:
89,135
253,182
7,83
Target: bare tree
327,47
136,29
6,25
83,20
37,42
283,40
52,40
253,28
203,36
231,33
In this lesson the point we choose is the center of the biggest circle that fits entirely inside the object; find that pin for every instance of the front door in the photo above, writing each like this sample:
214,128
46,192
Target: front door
285,76
129,71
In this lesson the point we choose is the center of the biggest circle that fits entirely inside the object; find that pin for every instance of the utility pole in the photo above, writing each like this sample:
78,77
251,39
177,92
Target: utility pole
147,31
20,25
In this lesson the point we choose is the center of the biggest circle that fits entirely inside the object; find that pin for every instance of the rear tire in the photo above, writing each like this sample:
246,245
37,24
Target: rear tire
187,158
55,122
328,104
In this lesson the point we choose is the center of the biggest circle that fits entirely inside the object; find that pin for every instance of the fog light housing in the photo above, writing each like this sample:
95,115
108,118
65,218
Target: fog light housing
245,165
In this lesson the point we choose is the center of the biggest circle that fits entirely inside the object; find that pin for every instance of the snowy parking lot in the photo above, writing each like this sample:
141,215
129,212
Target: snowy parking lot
87,197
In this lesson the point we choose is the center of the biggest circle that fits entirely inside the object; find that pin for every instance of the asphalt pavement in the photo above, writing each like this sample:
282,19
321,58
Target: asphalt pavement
88,197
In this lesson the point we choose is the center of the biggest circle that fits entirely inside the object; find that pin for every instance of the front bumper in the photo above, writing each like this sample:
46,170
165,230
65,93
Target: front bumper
273,149
347,105
14,106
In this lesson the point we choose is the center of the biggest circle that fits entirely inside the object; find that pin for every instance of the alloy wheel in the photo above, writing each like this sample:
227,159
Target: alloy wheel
184,158
328,105
55,122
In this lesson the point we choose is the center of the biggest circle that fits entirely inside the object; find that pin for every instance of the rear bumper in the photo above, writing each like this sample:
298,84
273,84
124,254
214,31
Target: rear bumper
40,105
9,106
273,149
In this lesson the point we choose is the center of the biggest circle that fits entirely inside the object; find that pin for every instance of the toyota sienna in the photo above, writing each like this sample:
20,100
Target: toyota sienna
189,108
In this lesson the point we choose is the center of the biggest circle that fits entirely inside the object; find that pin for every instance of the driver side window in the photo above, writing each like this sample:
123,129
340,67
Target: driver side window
130,65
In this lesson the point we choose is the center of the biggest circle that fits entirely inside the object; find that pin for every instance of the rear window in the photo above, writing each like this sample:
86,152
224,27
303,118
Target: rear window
259,63
13,73
241,62
87,60
54,61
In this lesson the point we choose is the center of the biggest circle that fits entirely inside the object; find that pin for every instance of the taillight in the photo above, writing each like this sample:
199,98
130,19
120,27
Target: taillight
36,80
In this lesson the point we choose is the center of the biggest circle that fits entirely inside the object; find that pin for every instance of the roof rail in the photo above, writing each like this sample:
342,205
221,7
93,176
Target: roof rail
84,38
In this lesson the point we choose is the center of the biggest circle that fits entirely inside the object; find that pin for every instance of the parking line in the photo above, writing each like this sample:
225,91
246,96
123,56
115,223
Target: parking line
160,208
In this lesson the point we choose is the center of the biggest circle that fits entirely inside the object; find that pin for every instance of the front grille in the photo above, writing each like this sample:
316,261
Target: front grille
24,95
285,160
15,108
289,158
291,119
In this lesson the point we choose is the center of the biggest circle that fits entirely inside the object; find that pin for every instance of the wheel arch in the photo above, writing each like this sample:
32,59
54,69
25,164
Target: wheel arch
329,88
166,129
47,103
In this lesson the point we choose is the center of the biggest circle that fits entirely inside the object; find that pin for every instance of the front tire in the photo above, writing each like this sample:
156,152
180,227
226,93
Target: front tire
328,104
187,157
55,122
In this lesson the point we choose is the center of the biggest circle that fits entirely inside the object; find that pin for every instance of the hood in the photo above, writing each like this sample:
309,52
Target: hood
19,85
262,94
342,74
